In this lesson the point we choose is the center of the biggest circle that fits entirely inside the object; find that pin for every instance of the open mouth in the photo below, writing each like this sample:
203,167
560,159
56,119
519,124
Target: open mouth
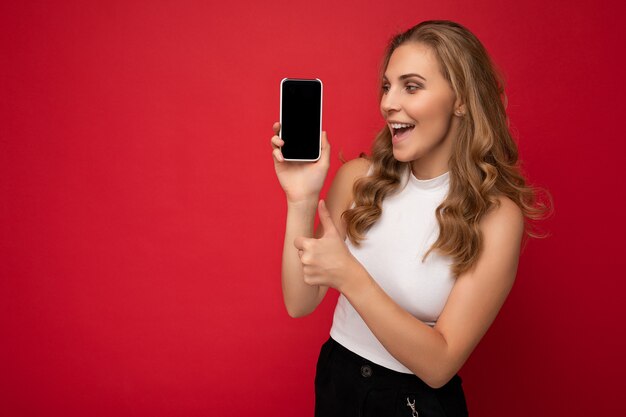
402,132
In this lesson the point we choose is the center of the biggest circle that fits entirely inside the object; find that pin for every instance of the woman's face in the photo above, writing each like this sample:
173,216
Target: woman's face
415,93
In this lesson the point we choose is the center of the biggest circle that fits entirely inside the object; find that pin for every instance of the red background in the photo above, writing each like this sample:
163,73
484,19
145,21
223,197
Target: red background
142,223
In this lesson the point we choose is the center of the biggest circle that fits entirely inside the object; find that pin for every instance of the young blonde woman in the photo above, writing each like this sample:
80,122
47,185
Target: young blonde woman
421,239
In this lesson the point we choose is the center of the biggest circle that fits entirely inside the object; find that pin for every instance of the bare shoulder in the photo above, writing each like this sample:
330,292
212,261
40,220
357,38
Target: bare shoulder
339,197
353,169
345,178
502,228
506,218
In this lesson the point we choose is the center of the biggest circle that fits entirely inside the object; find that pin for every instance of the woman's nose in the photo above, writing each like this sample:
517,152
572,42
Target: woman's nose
389,102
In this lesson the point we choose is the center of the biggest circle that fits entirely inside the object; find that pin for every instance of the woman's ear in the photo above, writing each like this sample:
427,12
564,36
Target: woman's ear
459,107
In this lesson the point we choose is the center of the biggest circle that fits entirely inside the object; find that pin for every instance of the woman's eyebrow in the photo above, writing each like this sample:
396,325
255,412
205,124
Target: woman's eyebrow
405,76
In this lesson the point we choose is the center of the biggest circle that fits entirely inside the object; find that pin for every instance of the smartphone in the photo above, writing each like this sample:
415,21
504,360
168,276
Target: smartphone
301,119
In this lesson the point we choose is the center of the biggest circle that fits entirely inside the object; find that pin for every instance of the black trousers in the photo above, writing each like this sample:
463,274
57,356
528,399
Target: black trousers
348,385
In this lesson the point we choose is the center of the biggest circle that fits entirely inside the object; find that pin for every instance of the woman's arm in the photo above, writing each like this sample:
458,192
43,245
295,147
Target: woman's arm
301,298
436,354
433,354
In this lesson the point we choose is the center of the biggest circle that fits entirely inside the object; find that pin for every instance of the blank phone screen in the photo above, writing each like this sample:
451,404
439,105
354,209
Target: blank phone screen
301,118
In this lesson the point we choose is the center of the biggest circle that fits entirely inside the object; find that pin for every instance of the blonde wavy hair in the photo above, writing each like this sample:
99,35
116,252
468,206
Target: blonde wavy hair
484,162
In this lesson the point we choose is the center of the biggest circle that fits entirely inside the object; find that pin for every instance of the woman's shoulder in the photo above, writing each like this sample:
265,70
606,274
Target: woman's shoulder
355,168
506,207
340,192
504,215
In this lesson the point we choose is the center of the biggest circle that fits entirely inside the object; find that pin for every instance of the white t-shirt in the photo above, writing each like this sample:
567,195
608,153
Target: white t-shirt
392,254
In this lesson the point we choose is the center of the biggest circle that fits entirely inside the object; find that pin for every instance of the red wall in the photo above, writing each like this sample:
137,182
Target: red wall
142,223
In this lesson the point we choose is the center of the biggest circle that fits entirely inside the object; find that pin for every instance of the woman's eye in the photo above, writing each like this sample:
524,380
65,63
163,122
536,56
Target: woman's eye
410,88
413,87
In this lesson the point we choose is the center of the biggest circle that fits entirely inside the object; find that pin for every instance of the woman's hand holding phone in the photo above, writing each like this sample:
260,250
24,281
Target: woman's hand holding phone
301,181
